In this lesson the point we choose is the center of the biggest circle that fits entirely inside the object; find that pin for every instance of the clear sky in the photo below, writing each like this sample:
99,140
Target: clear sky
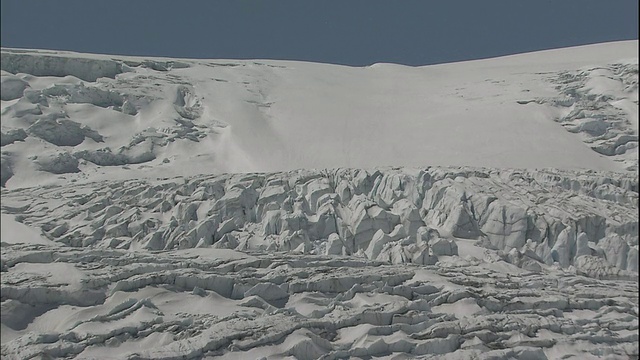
352,32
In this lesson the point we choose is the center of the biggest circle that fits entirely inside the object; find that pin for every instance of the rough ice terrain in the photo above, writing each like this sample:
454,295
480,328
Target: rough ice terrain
176,208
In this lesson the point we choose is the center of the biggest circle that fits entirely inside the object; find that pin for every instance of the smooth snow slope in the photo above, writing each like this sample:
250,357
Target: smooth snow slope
210,116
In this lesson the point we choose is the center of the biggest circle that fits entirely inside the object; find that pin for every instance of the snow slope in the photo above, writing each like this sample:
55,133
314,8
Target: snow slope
205,209
87,116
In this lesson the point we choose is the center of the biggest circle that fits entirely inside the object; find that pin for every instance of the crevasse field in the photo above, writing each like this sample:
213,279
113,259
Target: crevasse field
224,209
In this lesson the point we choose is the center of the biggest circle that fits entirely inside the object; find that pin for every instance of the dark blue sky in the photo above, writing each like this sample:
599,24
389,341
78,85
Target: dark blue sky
343,32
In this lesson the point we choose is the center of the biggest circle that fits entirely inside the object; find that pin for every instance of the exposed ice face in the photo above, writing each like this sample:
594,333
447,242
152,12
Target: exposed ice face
400,216
128,232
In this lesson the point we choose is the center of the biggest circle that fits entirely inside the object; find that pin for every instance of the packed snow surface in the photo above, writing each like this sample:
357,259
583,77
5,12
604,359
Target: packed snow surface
178,208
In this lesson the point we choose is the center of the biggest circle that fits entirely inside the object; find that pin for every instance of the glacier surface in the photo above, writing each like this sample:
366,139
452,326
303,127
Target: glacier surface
181,208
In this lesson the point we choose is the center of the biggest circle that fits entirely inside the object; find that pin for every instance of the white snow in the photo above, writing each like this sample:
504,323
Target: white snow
14,232
182,208
244,116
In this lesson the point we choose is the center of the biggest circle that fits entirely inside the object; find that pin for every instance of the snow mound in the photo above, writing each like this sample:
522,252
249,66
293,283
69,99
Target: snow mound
12,87
58,163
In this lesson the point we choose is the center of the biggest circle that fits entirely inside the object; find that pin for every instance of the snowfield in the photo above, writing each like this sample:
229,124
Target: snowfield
179,208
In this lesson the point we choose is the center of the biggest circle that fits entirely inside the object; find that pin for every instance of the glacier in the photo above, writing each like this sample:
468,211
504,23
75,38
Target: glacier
187,208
